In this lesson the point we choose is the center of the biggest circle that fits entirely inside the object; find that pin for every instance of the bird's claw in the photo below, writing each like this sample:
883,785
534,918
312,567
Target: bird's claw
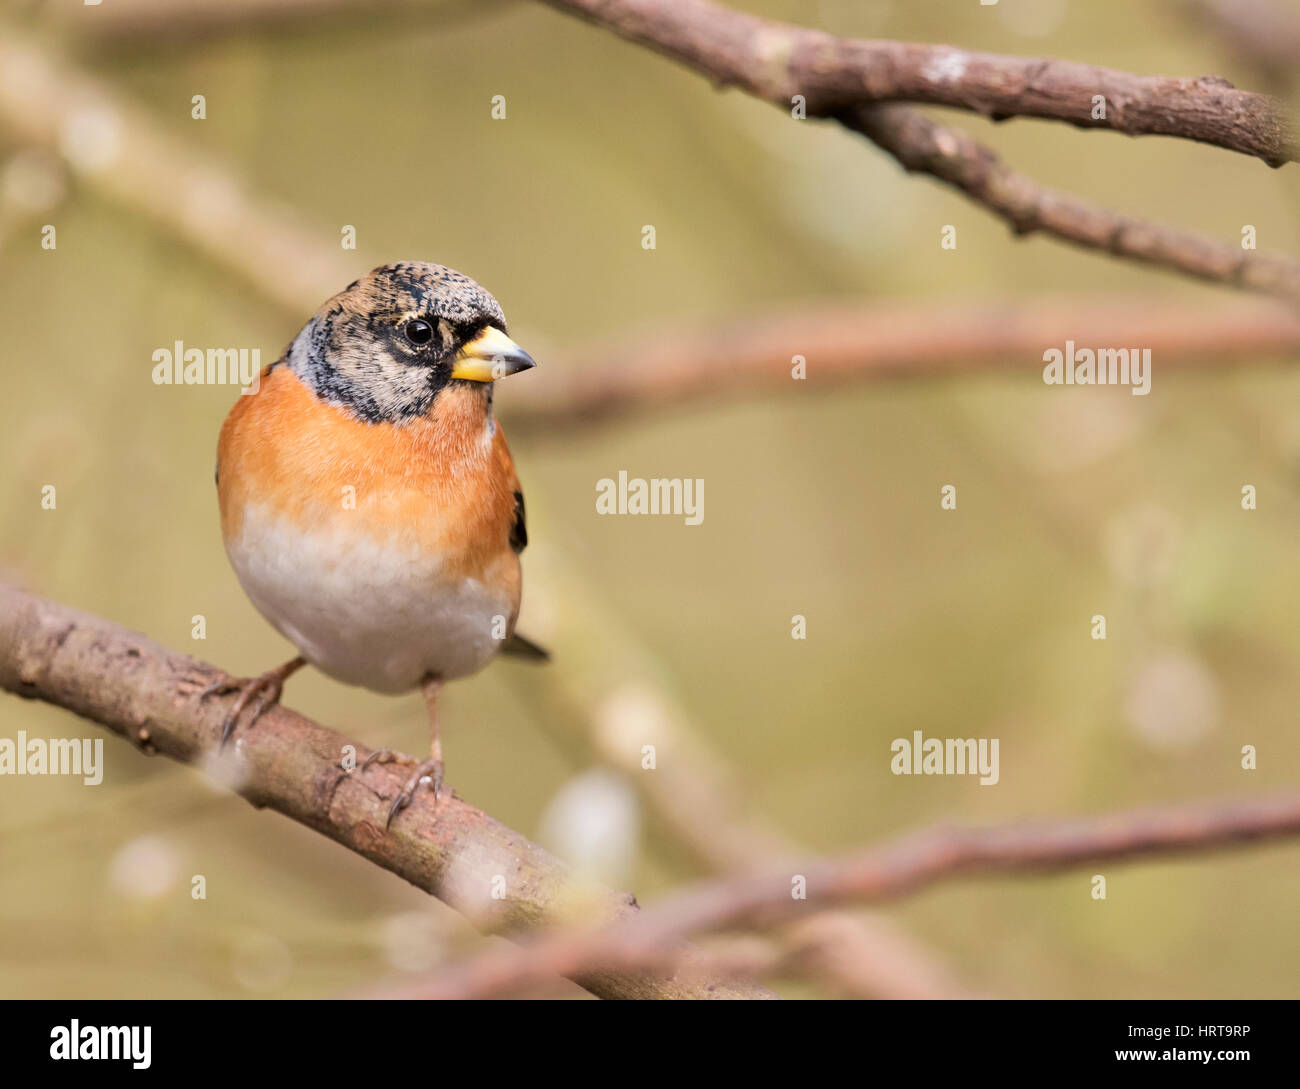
267,689
426,771
223,685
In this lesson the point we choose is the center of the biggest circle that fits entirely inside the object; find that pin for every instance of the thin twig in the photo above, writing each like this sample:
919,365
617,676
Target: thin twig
904,866
146,24
861,342
1264,34
946,153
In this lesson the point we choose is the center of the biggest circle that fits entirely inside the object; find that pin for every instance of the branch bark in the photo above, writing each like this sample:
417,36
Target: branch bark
878,873
859,83
775,61
148,694
950,155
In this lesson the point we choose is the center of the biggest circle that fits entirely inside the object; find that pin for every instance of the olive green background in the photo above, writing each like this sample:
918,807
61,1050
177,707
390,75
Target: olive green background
971,623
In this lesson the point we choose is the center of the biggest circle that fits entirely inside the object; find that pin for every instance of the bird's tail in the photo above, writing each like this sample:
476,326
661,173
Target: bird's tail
519,647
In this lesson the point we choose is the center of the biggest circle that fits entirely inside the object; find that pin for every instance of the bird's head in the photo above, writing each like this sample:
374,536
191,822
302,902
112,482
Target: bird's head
389,342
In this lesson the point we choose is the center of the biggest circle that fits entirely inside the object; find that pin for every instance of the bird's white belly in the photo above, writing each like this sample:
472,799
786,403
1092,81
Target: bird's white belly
380,615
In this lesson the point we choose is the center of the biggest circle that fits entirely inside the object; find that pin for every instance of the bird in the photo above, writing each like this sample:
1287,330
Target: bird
369,504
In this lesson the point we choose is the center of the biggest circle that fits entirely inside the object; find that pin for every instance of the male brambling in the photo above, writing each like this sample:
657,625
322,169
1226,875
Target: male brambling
369,504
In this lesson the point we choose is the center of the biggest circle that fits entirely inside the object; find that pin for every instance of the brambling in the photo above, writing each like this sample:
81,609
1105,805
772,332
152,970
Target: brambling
369,503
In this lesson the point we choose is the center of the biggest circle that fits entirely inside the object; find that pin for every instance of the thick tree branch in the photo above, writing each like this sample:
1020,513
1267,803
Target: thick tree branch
894,869
853,82
776,61
136,688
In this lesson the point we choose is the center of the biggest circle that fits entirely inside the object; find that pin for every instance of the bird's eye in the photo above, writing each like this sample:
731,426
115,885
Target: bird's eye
418,332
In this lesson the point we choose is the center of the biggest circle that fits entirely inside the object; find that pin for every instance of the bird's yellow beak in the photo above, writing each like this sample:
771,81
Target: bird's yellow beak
489,356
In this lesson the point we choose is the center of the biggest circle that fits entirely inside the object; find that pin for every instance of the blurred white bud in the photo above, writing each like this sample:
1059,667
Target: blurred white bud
224,768
1172,702
91,138
594,824
631,717
146,868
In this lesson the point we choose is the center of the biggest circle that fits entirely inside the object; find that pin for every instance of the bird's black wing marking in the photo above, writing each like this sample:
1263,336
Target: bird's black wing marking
518,528
517,646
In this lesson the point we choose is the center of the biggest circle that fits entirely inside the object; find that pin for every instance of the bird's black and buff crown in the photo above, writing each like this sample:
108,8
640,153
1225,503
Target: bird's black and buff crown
366,348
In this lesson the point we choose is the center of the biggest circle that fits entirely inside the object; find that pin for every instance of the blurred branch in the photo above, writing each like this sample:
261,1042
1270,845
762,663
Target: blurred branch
123,153
776,61
848,80
609,696
145,22
904,866
149,695
1263,34
863,342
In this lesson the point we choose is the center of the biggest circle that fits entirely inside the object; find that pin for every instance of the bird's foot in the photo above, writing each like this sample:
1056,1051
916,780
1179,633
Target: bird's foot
265,690
428,772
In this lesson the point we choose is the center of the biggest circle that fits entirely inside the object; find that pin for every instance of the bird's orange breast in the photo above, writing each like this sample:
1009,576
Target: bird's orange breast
443,483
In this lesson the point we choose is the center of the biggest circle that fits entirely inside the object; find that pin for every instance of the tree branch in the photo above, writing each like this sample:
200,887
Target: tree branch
921,145
115,147
864,342
775,61
848,80
151,22
1262,33
894,869
123,681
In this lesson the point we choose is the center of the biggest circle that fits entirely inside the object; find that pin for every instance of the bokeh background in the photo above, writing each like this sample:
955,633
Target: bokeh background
821,504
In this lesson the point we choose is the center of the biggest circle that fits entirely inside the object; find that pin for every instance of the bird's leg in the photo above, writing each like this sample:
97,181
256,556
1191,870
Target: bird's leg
266,689
426,771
